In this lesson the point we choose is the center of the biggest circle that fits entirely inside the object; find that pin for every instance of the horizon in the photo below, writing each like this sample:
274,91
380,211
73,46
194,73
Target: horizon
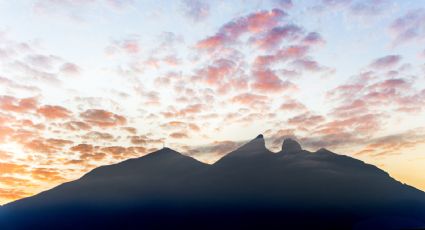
86,83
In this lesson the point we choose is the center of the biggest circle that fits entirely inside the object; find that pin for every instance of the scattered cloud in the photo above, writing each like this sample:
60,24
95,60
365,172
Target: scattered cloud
409,27
197,10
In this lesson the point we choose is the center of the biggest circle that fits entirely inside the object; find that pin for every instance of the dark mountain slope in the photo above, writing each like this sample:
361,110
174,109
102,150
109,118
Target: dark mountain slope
249,187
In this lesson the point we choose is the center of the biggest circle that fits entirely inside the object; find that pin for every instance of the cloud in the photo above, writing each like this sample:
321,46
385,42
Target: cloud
12,168
76,125
97,136
41,61
284,54
10,194
308,65
139,140
369,8
284,4
386,62
273,38
213,42
196,10
129,46
114,150
216,73
214,150
19,105
186,111
82,148
253,23
392,144
267,81
102,118
313,39
306,120
41,145
47,174
250,99
70,68
409,27
292,105
54,112
179,135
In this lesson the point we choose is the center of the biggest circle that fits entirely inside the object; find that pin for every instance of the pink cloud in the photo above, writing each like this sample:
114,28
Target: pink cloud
70,68
386,62
409,27
306,120
274,37
231,31
307,64
283,54
249,98
130,46
215,74
213,42
313,39
268,81
293,105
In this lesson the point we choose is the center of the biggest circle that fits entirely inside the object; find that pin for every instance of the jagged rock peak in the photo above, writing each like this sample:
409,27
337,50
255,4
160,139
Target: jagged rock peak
260,136
290,146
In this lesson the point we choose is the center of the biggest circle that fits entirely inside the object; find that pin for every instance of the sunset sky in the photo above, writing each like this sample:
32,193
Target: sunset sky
85,83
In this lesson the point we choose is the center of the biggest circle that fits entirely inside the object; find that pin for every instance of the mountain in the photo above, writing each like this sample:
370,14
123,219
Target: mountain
250,187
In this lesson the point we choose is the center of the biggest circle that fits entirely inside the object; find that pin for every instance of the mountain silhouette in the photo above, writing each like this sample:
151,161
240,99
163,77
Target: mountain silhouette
250,187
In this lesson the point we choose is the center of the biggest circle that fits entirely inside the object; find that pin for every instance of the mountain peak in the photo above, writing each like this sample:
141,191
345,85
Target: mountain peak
290,146
256,143
164,152
254,147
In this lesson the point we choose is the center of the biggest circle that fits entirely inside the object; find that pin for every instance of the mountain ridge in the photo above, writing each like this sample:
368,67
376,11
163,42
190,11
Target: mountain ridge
250,186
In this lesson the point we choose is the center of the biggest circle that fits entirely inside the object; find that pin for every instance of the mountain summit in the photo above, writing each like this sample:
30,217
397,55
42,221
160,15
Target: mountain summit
251,187
290,146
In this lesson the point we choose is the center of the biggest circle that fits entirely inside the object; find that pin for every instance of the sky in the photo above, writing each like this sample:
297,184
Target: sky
85,83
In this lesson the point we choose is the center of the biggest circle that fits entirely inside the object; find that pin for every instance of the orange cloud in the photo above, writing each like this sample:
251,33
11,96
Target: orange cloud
7,194
82,148
54,112
95,135
76,125
46,174
8,168
178,135
103,118
8,103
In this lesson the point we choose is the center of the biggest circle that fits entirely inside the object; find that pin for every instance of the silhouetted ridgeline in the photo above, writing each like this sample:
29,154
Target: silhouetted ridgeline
250,187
